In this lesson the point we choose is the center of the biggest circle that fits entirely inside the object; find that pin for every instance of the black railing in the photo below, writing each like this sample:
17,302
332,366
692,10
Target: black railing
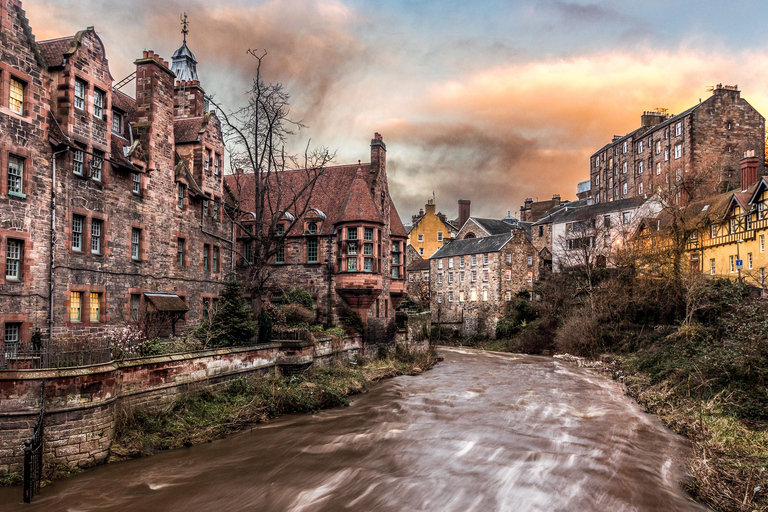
61,353
33,455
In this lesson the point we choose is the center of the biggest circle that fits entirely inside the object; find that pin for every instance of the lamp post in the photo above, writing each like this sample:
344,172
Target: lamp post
738,259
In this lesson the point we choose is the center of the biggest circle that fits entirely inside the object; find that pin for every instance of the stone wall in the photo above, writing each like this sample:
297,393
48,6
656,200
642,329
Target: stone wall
82,404
413,335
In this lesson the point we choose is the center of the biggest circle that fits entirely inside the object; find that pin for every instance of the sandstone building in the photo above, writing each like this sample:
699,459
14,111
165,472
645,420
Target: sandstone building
429,230
710,136
471,280
347,248
112,204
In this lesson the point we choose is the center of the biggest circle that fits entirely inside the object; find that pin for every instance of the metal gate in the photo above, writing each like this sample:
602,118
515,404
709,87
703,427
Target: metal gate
33,455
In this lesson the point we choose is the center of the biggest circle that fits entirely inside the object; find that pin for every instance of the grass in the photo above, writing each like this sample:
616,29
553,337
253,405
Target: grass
203,416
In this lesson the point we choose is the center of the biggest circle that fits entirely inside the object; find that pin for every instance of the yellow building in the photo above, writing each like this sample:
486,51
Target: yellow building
430,230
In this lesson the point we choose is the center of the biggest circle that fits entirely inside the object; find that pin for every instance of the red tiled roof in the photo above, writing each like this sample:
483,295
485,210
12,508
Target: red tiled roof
395,224
359,203
187,129
53,50
122,101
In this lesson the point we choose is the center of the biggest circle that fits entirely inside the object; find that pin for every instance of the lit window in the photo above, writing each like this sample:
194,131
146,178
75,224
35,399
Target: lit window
180,252
215,262
135,238
658,147
95,308
74,306
77,232
96,225
15,175
485,295
473,295
97,163
312,251
80,88
98,103
508,275
136,179
78,158
16,98
13,253
461,296
508,296
658,168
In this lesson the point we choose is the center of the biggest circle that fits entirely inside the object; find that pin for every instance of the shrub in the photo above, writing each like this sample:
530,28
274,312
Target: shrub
521,313
232,320
298,296
536,337
297,314
354,321
580,334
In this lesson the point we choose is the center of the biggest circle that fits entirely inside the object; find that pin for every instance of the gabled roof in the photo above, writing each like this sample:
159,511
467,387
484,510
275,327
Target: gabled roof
53,50
555,213
359,203
493,243
759,187
594,210
396,227
417,265
492,226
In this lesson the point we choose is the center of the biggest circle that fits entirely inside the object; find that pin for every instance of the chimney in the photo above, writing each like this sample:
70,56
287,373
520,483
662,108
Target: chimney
430,207
556,199
749,166
154,109
378,155
464,211
651,118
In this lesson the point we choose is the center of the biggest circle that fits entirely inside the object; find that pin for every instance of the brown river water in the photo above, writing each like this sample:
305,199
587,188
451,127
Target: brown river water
482,431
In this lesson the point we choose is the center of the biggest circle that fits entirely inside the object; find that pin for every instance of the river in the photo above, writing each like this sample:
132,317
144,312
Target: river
482,431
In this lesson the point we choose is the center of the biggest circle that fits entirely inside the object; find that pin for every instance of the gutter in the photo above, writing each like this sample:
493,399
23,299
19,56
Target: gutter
52,237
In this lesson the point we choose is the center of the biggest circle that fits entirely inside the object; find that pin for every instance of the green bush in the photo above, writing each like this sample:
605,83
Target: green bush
521,313
298,296
232,322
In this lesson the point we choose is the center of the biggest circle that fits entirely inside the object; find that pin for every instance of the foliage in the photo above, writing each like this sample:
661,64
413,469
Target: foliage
296,314
153,347
354,321
232,319
521,312
126,341
300,297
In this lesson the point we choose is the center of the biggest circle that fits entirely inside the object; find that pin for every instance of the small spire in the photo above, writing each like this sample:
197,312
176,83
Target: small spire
184,26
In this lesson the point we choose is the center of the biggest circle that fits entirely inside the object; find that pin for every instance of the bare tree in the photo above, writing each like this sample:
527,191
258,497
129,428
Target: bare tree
271,186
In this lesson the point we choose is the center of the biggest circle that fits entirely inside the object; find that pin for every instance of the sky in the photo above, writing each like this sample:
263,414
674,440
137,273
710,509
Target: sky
492,101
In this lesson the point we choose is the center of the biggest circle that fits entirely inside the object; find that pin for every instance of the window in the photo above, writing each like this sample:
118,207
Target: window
624,189
485,275
640,189
474,276
450,277
368,249
180,252
678,128
312,229
731,226
15,175
74,306
182,193
206,251
352,248
508,275
474,260
95,307
509,258
312,252
624,147
625,216
97,163
508,296
117,122
624,168
368,267
351,264
461,276
439,298
439,236
485,259
395,271
597,160
440,278
712,266
461,296
80,88
530,260
11,340
77,232
461,261
639,167
78,158
410,276
16,96
215,262
666,155
607,221
450,262
658,147
678,151
421,251
351,232
658,168
541,231
440,263
136,180
450,296
207,160
368,234
135,239
98,103
279,255
421,238
762,243
640,147
96,226
713,231
733,268
215,165
749,260
473,295
13,254
485,295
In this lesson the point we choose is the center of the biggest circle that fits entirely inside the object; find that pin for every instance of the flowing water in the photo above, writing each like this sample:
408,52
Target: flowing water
482,431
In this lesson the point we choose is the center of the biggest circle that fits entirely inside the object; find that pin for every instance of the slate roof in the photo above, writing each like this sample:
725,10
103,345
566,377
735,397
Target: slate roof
53,50
480,245
594,210
493,226
555,213
539,208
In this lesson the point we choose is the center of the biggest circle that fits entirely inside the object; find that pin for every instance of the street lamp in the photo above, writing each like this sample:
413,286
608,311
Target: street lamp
738,259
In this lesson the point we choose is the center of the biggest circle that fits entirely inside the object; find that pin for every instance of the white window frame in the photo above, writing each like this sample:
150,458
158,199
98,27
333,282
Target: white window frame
678,128
16,175
80,88
439,236
98,103
421,238
712,266
97,229
678,151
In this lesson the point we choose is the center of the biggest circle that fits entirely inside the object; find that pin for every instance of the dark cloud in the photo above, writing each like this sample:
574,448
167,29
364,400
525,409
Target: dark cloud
588,13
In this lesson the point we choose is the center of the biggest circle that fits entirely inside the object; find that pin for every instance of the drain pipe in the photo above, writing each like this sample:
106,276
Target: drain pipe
53,245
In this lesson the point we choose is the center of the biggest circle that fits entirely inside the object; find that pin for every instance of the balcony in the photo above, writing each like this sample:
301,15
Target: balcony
359,289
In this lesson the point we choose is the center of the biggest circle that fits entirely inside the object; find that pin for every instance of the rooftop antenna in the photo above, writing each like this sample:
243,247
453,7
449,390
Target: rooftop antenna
184,26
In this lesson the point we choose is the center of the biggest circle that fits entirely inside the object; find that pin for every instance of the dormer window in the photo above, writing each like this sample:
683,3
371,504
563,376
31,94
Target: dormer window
312,228
280,230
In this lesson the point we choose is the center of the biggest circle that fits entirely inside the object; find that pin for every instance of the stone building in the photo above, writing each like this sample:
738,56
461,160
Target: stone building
106,216
429,230
531,210
478,227
347,248
418,277
708,137
471,280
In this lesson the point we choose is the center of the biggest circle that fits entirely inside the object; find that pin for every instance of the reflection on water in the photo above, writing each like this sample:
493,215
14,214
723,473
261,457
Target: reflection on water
482,431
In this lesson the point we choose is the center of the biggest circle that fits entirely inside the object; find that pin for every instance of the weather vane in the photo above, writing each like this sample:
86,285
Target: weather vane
184,25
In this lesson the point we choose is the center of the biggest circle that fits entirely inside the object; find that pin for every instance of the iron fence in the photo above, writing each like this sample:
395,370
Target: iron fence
33,455
59,354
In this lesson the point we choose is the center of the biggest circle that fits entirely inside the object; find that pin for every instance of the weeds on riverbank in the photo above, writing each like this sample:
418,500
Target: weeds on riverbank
205,416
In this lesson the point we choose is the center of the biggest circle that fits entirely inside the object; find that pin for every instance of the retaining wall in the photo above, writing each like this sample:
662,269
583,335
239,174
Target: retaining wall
82,404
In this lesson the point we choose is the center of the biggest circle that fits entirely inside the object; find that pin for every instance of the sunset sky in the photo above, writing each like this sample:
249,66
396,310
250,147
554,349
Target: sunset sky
488,101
